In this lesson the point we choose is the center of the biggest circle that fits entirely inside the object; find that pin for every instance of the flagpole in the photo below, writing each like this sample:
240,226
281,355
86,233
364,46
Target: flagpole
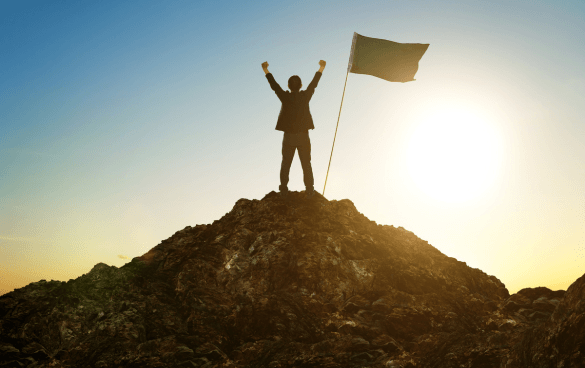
326,176
342,96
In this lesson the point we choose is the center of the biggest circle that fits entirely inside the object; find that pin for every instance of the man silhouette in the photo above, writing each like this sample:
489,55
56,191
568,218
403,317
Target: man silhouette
295,120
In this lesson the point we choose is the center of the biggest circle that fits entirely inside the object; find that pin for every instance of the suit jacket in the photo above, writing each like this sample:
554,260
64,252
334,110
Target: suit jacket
294,114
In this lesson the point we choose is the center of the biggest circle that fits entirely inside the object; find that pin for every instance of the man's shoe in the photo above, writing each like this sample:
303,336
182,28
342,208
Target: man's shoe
310,193
284,194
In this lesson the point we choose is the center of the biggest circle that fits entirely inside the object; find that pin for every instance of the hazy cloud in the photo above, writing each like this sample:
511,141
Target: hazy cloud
123,257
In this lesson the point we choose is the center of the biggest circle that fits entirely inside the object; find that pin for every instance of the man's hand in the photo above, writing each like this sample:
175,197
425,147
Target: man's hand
322,63
265,67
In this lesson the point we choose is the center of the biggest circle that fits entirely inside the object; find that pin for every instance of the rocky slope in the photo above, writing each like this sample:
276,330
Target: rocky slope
302,283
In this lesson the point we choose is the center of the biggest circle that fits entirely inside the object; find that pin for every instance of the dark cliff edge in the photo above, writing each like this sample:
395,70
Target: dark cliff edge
302,283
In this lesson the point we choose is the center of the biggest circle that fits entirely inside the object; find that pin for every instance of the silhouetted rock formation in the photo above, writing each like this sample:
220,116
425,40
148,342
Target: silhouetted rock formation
303,283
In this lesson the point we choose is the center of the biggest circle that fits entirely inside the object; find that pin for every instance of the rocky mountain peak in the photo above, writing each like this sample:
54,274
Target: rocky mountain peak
295,283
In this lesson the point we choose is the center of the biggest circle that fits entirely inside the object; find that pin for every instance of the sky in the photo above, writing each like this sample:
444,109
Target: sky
124,122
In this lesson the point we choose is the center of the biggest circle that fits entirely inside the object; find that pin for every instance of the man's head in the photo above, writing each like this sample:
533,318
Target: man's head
294,83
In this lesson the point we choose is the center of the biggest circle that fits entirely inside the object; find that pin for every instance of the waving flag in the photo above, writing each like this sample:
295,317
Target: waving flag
388,60
391,61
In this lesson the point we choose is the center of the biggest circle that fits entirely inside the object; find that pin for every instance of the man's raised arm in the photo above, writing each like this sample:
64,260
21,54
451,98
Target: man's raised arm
275,86
315,81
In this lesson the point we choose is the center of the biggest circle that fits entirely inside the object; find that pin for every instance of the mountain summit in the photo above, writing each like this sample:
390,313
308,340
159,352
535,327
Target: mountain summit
296,283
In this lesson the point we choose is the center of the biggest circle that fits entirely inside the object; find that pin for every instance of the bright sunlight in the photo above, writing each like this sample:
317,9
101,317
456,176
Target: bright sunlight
454,155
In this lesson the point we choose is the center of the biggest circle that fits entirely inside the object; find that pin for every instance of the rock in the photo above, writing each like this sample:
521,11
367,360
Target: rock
211,352
538,316
507,325
12,364
491,325
32,348
40,355
558,340
511,306
183,353
306,282
359,344
189,364
386,343
543,305
351,308
8,351
363,357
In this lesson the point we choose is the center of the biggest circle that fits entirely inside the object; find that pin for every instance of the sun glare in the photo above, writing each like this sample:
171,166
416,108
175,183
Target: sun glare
454,155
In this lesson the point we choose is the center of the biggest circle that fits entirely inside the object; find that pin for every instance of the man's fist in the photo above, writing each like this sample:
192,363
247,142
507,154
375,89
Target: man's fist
265,65
322,63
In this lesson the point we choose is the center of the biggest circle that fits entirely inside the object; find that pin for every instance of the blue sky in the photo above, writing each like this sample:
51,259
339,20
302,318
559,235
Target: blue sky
123,122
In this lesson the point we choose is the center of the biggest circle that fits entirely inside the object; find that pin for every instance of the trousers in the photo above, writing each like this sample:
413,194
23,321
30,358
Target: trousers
290,144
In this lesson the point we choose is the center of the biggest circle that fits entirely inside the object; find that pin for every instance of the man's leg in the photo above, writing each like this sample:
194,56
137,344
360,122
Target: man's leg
288,153
305,156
